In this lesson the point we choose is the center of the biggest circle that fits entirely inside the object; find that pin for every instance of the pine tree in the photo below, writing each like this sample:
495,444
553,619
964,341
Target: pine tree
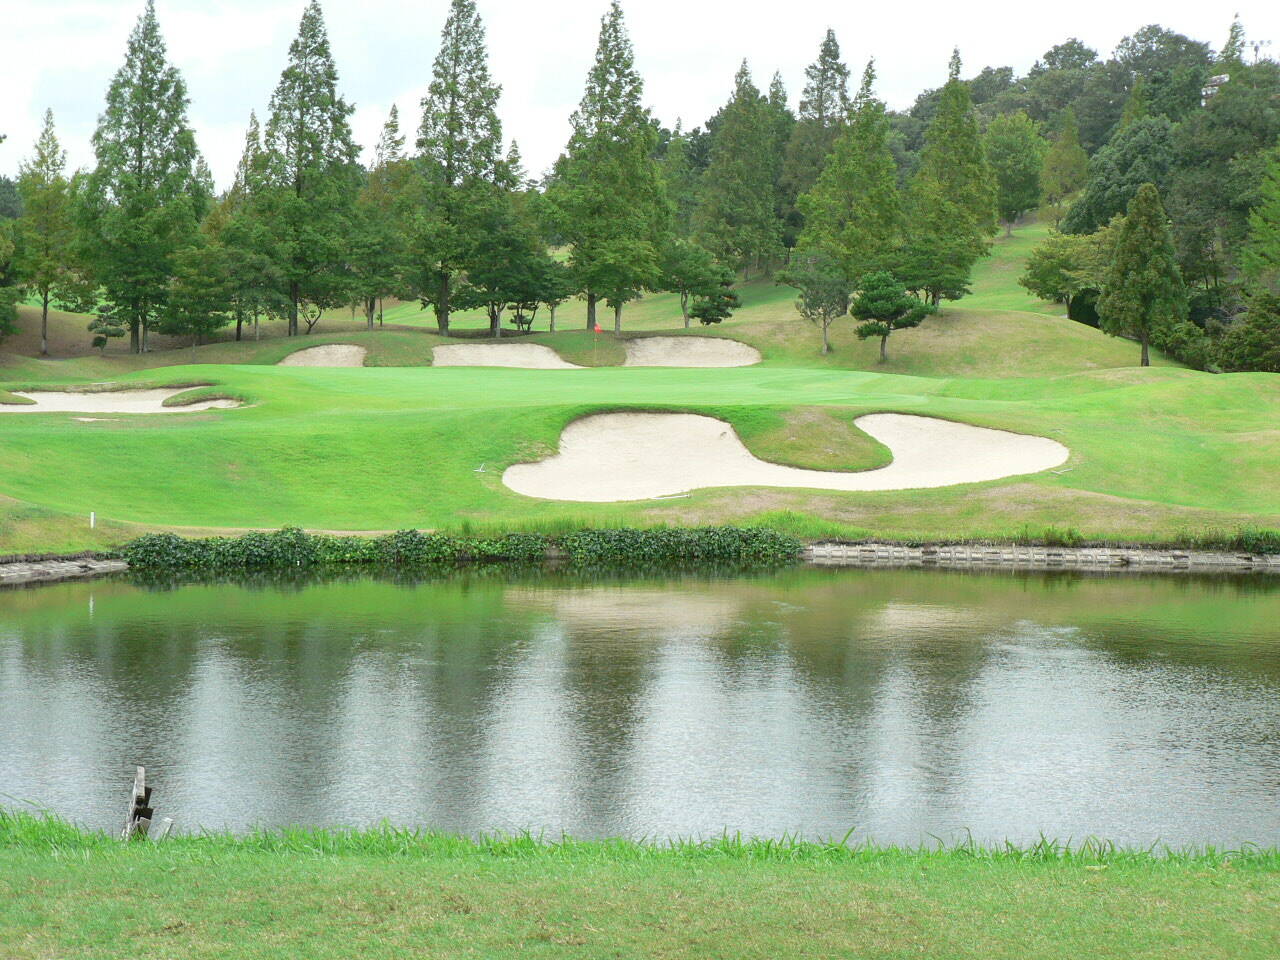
390,146
680,181
145,197
824,106
1065,169
782,124
883,305
1260,258
1015,151
380,241
853,213
953,158
310,175
1233,50
738,218
460,153
46,232
607,191
1143,294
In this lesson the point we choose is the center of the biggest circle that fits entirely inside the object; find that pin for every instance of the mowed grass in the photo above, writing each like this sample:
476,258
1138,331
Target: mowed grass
390,893
1155,452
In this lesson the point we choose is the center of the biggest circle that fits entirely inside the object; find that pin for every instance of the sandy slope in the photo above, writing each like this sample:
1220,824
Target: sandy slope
689,352
631,456
112,401
326,355
532,356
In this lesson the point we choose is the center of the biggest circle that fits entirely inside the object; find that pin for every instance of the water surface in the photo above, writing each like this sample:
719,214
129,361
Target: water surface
899,704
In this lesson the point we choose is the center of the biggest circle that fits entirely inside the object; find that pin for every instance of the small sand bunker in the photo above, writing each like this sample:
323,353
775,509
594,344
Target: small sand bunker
326,355
111,401
634,456
689,352
532,356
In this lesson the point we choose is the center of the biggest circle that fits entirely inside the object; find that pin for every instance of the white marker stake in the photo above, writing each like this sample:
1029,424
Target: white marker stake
93,520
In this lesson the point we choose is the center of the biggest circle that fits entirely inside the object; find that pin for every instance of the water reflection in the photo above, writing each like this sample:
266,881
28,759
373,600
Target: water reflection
902,704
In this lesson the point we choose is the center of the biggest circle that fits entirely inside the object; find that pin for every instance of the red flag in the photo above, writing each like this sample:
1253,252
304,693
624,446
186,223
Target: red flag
598,330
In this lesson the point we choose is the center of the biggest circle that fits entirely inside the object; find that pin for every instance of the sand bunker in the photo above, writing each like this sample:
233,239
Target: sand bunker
633,456
111,401
644,352
326,355
532,356
689,352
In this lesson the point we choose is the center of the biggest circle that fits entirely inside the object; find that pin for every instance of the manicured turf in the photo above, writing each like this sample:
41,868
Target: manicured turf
1156,453
394,894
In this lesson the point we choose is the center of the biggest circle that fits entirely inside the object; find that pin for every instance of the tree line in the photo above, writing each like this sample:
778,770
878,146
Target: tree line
866,211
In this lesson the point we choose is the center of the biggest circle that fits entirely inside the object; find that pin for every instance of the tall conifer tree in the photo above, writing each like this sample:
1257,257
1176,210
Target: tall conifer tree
46,232
607,190
311,174
1066,167
824,106
145,197
460,155
1143,294
738,219
853,213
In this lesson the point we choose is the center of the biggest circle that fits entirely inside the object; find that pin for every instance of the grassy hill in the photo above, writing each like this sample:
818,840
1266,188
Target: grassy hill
1156,453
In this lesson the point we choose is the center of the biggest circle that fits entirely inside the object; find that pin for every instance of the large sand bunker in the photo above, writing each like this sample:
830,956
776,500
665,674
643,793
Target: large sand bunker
689,352
633,456
532,356
642,352
326,355
111,401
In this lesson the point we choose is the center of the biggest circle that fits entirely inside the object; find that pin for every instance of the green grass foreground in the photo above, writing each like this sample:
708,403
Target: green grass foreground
386,892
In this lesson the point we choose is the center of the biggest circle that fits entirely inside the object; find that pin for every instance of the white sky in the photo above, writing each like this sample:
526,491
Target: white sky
62,54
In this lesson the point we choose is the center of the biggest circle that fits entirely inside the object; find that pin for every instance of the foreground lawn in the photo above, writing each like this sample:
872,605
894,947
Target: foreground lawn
394,894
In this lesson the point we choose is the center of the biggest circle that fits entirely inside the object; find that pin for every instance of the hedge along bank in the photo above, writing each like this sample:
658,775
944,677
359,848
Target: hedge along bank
292,547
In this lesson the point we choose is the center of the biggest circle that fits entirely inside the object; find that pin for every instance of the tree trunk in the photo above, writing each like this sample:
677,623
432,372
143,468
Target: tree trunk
442,303
370,308
884,348
135,338
379,311
1008,229
146,337
684,307
1146,355
293,309
617,317
257,334
239,324
591,311
44,325
553,317
826,342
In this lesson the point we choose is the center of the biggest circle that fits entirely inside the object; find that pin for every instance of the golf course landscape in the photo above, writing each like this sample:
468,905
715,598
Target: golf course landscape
819,504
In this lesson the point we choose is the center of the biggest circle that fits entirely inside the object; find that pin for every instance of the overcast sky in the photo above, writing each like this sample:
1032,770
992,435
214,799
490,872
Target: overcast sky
63,53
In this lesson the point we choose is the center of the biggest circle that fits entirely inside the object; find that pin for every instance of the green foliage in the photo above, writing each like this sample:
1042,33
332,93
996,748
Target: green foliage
1066,264
1143,295
883,305
1015,150
291,547
1140,153
1065,169
824,108
942,245
699,545
824,288
680,180
306,191
1260,258
690,270
143,200
607,193
738,219
201,298
1252,341
854,214
718,304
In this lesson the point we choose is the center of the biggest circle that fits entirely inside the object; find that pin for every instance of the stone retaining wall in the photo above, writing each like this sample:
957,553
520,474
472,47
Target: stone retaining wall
1045,558
40,571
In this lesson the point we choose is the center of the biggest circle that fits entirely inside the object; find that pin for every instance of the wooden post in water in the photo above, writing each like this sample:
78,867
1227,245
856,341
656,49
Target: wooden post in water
139,820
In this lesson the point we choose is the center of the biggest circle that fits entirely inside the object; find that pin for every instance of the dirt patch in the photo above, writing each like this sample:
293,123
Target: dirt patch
112,401
327,355
689,352
645,455
531,356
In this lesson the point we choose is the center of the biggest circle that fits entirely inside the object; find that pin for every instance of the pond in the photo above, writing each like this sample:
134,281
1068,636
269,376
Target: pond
897,704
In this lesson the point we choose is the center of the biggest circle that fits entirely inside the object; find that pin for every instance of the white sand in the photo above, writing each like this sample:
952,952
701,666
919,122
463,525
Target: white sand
326,355
110,401
633,456
689,352
643,352
532,356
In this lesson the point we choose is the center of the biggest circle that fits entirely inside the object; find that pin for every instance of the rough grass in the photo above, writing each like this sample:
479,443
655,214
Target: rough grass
392,893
